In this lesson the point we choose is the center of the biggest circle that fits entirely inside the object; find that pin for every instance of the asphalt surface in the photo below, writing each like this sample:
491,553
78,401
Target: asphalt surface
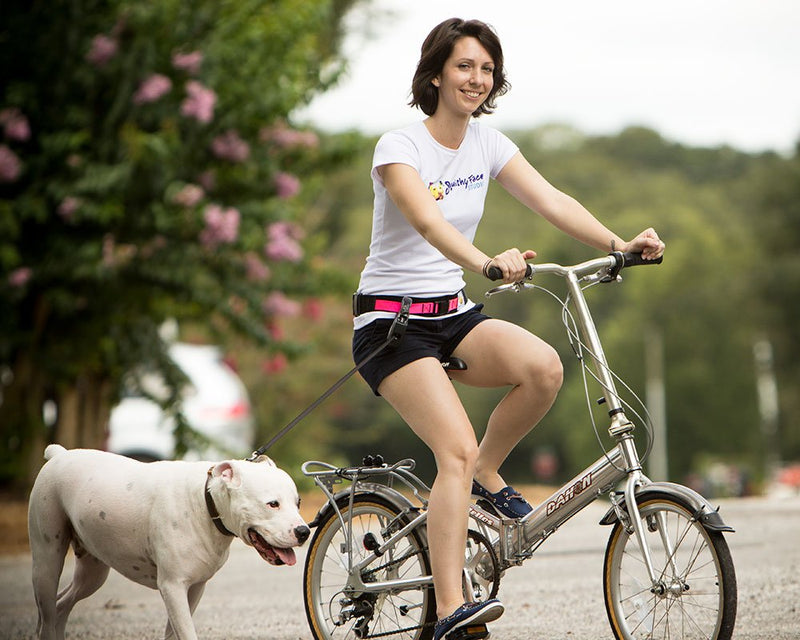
556,595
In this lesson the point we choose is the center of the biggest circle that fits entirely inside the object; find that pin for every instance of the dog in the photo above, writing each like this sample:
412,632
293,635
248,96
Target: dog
166,525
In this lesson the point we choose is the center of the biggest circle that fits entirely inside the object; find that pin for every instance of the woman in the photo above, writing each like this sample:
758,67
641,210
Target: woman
430,181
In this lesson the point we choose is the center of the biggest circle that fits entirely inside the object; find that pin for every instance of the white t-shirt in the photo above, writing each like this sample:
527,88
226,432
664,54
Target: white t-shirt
401,261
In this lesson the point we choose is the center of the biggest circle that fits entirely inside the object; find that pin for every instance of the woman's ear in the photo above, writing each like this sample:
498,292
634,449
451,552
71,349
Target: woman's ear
436,82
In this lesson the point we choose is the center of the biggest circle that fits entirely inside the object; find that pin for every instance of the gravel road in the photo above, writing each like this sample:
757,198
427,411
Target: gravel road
555,595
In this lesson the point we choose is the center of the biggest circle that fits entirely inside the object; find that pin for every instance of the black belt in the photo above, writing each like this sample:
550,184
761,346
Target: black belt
432,307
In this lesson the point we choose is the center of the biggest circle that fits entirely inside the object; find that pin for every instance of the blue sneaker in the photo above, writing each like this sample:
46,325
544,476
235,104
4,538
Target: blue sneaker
507,502
469,613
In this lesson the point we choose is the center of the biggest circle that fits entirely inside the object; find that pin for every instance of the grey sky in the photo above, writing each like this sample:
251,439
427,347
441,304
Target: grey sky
701,72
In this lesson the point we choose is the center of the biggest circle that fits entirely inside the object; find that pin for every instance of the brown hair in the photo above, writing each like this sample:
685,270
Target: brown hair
437,49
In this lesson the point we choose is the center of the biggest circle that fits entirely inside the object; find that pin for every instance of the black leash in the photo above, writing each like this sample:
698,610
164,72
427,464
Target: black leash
396,332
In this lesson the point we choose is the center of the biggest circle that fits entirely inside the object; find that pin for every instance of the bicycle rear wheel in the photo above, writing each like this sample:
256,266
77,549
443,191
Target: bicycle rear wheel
334,614
696,593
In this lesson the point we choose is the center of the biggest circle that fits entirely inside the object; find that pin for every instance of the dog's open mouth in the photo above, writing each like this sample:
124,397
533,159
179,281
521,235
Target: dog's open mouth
273,555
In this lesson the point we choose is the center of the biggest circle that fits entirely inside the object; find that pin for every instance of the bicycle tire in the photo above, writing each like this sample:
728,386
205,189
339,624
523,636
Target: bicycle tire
699,594
403,615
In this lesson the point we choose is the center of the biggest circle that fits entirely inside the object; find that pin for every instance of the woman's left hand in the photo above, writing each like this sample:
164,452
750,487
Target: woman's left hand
648,244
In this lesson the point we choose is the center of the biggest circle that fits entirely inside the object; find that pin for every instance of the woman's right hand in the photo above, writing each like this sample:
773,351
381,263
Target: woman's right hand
512,262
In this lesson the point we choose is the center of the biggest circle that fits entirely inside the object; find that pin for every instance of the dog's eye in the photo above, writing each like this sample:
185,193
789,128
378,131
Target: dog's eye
274,504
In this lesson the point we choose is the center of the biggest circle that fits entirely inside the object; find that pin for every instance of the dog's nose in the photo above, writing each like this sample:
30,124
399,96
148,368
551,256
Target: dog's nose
302,533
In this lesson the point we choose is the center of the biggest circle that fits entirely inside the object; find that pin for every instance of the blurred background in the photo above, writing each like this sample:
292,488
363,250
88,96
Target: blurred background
185,207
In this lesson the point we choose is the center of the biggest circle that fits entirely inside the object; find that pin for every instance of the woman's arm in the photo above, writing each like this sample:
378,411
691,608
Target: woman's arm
528,186
412,197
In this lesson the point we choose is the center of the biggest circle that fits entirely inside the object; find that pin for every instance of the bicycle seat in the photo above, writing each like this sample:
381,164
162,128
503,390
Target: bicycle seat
454,364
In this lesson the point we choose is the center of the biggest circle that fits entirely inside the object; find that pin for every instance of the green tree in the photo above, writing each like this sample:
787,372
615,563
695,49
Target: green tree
148,171
773,195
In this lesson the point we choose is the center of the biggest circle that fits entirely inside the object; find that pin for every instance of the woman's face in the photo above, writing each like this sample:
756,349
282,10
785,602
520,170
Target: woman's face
466,78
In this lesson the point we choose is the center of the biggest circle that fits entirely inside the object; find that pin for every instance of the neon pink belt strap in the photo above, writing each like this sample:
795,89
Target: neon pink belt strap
421,307
417,308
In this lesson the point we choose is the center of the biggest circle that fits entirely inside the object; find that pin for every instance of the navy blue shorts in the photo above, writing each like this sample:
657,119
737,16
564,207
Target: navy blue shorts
436,338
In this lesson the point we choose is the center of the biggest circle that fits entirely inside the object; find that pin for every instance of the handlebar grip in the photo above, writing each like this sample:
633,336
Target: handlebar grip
635,259
495,273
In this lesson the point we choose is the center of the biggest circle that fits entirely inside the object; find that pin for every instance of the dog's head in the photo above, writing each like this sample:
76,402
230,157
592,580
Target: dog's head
259,503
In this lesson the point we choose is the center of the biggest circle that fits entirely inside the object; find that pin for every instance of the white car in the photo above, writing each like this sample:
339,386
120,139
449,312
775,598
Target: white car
215,403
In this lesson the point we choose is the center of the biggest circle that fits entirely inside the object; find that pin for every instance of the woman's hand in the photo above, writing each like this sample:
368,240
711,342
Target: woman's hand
648,244
512,263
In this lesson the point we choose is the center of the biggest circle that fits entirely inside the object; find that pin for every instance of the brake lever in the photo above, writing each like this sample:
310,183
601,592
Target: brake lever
516,287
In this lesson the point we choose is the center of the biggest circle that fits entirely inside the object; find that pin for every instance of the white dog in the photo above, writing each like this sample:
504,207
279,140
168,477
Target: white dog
166,525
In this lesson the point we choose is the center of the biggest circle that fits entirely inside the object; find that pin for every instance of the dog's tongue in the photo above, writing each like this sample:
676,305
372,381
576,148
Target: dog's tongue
287,556
273,555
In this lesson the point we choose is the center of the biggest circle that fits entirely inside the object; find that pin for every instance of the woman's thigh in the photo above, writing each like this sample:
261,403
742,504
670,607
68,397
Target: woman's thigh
500,353
425,398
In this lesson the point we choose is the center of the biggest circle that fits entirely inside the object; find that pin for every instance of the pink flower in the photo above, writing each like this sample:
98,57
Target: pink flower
68,207
257,271
229,146
285,229
276,331
276,364
19,277
10,166
222,226
313,309
102,50
199,102
284,137
152,88
189,196
286,185
208,180
282,243
189,62
15,124
277,304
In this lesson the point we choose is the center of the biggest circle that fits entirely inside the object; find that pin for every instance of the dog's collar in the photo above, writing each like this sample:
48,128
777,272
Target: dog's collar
212,510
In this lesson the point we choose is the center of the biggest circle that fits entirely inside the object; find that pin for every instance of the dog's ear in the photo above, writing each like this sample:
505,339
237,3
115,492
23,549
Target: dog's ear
265,459
227,472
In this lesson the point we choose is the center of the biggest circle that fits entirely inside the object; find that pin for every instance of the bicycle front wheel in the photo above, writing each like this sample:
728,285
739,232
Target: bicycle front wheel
695,594
336,613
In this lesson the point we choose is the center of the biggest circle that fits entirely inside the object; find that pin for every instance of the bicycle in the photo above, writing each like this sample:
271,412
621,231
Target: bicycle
667,570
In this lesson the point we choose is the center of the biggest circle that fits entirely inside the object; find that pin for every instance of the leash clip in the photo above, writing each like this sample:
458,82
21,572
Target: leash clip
398,328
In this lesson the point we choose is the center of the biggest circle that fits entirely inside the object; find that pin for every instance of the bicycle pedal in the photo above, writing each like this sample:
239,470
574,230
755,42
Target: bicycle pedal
469,632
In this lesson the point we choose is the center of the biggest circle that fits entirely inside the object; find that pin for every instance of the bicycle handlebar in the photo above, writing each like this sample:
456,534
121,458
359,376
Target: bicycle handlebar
614,262
494,273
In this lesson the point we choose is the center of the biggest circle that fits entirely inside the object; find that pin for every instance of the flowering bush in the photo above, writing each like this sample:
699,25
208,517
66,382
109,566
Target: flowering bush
148,171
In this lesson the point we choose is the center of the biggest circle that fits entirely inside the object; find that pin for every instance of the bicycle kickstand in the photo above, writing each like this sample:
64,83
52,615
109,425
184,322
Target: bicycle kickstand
469,632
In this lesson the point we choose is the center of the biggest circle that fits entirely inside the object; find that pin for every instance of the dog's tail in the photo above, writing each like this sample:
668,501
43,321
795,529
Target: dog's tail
53,450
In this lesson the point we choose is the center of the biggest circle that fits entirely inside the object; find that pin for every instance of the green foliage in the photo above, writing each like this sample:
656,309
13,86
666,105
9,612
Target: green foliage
148,172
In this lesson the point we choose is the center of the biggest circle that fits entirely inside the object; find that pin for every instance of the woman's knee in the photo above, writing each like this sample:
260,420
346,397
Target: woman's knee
459,459
545,371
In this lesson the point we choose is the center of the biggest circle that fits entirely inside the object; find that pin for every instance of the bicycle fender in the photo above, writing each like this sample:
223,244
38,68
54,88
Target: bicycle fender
705,514
342,497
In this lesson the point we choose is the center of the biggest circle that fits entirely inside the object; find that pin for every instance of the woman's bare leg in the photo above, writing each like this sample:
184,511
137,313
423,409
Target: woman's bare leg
499,353
425,398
